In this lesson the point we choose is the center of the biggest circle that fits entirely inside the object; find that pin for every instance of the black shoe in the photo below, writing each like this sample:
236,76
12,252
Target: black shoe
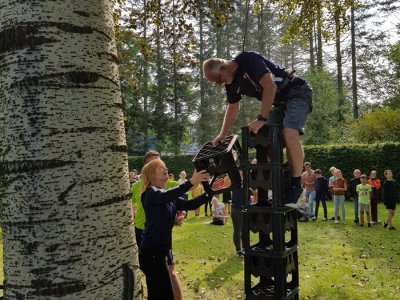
355,221
361,224
392,228
369,224
384,225
333,218
292,194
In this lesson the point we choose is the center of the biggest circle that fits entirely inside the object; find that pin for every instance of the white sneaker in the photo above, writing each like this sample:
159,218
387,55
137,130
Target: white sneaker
324,219
336,222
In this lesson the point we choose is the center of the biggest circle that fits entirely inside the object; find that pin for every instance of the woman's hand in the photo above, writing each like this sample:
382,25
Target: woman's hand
199,176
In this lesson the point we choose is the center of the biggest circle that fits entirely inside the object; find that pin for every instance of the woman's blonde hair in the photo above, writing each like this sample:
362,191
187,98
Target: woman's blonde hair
148,172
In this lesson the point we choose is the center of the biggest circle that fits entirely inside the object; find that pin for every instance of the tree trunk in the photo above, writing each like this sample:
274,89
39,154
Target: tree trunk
354,65
67,221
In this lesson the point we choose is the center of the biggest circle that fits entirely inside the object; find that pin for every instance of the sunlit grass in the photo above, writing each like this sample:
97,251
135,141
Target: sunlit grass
336,261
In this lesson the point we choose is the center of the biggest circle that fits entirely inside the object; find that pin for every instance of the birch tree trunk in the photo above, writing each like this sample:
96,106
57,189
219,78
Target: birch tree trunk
67,223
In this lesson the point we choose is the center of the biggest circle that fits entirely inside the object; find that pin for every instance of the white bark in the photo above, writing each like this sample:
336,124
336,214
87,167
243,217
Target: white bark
67,226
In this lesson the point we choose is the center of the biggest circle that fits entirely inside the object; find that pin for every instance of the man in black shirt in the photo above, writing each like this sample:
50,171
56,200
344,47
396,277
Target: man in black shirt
285,99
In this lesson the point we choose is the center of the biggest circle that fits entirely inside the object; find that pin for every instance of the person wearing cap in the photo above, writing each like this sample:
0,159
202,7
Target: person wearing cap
364,198
321,189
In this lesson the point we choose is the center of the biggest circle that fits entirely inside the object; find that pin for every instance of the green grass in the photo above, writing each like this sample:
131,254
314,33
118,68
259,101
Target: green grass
336,261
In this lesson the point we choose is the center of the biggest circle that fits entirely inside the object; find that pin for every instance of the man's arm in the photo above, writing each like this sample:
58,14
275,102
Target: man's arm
268,96
230,117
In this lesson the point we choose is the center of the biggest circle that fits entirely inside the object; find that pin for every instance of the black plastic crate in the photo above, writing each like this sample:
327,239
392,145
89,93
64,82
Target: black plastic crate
219,160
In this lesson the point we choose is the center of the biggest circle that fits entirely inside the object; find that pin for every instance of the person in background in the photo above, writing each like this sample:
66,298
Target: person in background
237,216
339,188
180,215
375,183
353,195
254,199
364,197
331,179
390,195
182,179
218,213
160,206
308,181
321,189
133,176
227,196
195,193
171,177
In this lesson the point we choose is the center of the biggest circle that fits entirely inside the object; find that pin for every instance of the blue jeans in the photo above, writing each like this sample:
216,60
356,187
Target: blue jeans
355,204
339,199
311,196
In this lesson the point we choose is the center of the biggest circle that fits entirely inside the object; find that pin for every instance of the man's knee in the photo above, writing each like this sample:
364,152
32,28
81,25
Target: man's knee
290,135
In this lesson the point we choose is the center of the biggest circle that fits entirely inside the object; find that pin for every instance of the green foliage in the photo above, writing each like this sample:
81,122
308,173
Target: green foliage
377,157
175,164
345,157
380,125
321,123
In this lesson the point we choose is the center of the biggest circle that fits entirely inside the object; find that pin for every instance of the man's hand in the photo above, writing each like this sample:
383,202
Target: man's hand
219,139
256,125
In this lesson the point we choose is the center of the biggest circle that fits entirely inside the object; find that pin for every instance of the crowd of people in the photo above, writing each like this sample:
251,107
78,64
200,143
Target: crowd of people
361,190
160,202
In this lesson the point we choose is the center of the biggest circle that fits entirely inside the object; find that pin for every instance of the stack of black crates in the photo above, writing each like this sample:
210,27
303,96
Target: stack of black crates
272,260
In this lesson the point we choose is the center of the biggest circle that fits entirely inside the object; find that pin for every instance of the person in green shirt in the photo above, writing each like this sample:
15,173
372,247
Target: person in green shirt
364,199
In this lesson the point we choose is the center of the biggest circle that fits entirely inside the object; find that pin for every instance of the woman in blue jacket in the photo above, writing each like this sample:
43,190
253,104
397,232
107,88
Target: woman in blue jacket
160,207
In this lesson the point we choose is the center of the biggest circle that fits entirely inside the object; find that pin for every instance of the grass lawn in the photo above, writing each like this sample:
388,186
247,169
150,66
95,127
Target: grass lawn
336,261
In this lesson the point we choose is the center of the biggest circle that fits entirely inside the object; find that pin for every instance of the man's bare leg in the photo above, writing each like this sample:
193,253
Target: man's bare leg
294,151
295,156
176,284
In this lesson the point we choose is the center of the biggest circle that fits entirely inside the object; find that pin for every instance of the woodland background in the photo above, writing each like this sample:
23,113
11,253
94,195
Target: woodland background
349,51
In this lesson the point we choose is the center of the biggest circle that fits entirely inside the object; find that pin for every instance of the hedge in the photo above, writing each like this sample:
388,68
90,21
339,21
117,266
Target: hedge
347,157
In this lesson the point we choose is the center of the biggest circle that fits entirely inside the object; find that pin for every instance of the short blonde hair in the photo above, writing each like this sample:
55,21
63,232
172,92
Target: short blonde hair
148,172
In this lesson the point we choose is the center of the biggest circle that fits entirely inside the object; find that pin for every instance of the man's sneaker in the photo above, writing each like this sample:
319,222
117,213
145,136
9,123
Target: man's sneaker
361,224
384,225
336,221
314,218
355,221
369,224
324,219
392,228
292,194
239,254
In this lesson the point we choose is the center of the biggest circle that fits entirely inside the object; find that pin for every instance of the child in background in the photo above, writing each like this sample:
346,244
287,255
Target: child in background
197,191
180,215
354,182
375,183
389,198
321,189
364,198
218,213
339,187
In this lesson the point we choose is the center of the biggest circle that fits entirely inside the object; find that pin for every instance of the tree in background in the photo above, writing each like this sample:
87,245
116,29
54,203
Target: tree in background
67,216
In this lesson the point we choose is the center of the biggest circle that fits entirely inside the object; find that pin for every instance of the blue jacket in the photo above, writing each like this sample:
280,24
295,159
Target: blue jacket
160,208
